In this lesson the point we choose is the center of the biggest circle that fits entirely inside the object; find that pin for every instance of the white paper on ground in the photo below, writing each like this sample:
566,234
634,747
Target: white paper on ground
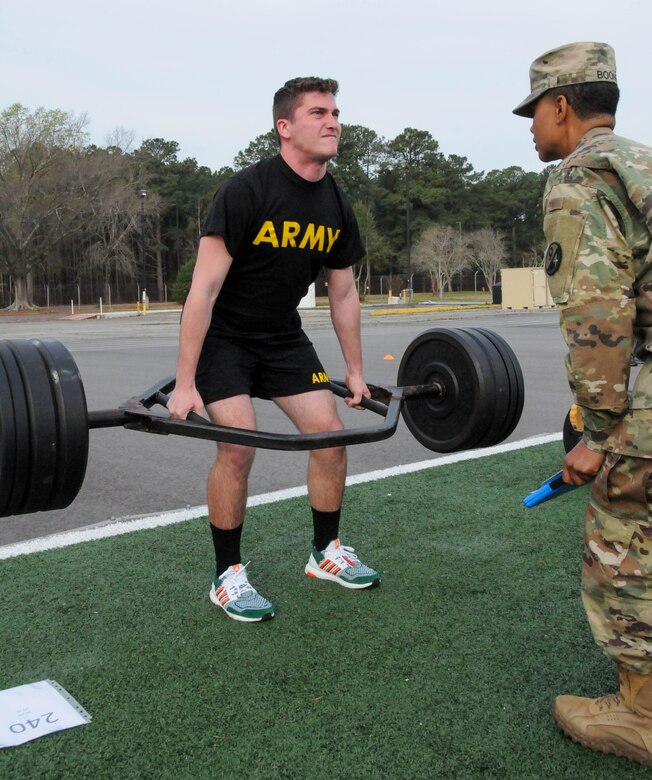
36,709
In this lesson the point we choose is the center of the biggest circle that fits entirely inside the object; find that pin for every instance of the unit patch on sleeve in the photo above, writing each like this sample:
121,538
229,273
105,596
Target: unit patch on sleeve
553,258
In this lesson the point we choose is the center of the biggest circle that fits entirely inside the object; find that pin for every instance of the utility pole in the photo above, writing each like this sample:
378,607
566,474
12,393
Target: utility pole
143,270
408,231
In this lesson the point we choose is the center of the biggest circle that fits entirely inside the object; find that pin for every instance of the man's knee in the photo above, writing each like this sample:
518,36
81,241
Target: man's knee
332,423
327,417
236,457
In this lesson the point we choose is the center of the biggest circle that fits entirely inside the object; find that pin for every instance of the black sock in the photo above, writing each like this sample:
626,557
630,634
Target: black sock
326,527
226,542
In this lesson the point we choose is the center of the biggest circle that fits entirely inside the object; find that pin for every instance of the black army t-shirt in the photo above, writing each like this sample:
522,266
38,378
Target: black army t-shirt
280,231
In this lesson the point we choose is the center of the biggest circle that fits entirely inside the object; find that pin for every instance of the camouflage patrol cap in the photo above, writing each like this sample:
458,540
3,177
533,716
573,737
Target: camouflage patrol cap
575,63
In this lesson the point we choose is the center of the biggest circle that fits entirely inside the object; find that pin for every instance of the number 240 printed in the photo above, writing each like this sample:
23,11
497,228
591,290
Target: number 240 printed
20,728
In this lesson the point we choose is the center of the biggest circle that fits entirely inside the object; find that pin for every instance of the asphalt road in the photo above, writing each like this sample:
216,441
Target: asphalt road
131,473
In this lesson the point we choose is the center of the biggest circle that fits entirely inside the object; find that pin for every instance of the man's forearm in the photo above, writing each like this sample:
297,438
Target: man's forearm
345,316
194,326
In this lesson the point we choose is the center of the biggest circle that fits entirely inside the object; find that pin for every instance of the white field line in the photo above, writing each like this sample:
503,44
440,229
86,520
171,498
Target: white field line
120,527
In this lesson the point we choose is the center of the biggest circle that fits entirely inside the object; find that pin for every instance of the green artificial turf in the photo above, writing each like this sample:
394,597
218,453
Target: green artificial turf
448,670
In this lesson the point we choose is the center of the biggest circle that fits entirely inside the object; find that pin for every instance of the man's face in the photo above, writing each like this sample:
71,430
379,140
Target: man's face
545,129
314,130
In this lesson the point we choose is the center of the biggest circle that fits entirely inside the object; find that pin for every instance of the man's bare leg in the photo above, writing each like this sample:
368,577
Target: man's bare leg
316,412
229,474
312,413
227,502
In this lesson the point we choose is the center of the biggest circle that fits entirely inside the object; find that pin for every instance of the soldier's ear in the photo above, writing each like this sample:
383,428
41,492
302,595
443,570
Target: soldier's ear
562,107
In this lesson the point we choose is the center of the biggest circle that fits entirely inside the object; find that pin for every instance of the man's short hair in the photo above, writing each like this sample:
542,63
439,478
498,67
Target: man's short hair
287,98
589,100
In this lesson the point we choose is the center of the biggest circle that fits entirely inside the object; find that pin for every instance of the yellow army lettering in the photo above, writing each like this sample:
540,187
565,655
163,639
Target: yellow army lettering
320,378
314,236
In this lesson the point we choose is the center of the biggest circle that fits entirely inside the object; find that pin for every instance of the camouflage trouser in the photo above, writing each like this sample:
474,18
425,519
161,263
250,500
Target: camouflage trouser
617,565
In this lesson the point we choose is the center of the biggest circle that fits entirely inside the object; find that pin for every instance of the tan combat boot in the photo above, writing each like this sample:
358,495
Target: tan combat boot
620,723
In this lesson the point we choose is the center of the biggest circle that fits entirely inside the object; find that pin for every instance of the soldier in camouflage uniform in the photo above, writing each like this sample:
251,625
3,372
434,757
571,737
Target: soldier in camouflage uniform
598,225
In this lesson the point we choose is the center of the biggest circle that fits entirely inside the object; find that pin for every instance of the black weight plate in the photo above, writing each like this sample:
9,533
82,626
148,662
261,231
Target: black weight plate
502,391
7,441
72,421
516,383
460,418
21,432
42,426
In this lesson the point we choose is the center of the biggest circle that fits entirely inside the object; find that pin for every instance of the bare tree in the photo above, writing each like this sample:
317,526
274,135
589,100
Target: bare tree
489,253
40,194
120,138
112,227
533,258
441,253
116,217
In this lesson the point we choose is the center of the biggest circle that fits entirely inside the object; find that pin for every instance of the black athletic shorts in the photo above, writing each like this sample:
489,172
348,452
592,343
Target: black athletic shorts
259,367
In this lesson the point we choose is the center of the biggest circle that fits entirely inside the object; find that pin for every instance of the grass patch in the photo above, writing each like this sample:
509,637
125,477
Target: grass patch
447,670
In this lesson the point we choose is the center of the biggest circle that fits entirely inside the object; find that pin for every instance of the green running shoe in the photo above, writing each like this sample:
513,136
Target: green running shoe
341,565
233,592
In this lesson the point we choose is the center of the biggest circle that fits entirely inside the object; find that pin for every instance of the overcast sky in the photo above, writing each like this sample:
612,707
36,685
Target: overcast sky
204,73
